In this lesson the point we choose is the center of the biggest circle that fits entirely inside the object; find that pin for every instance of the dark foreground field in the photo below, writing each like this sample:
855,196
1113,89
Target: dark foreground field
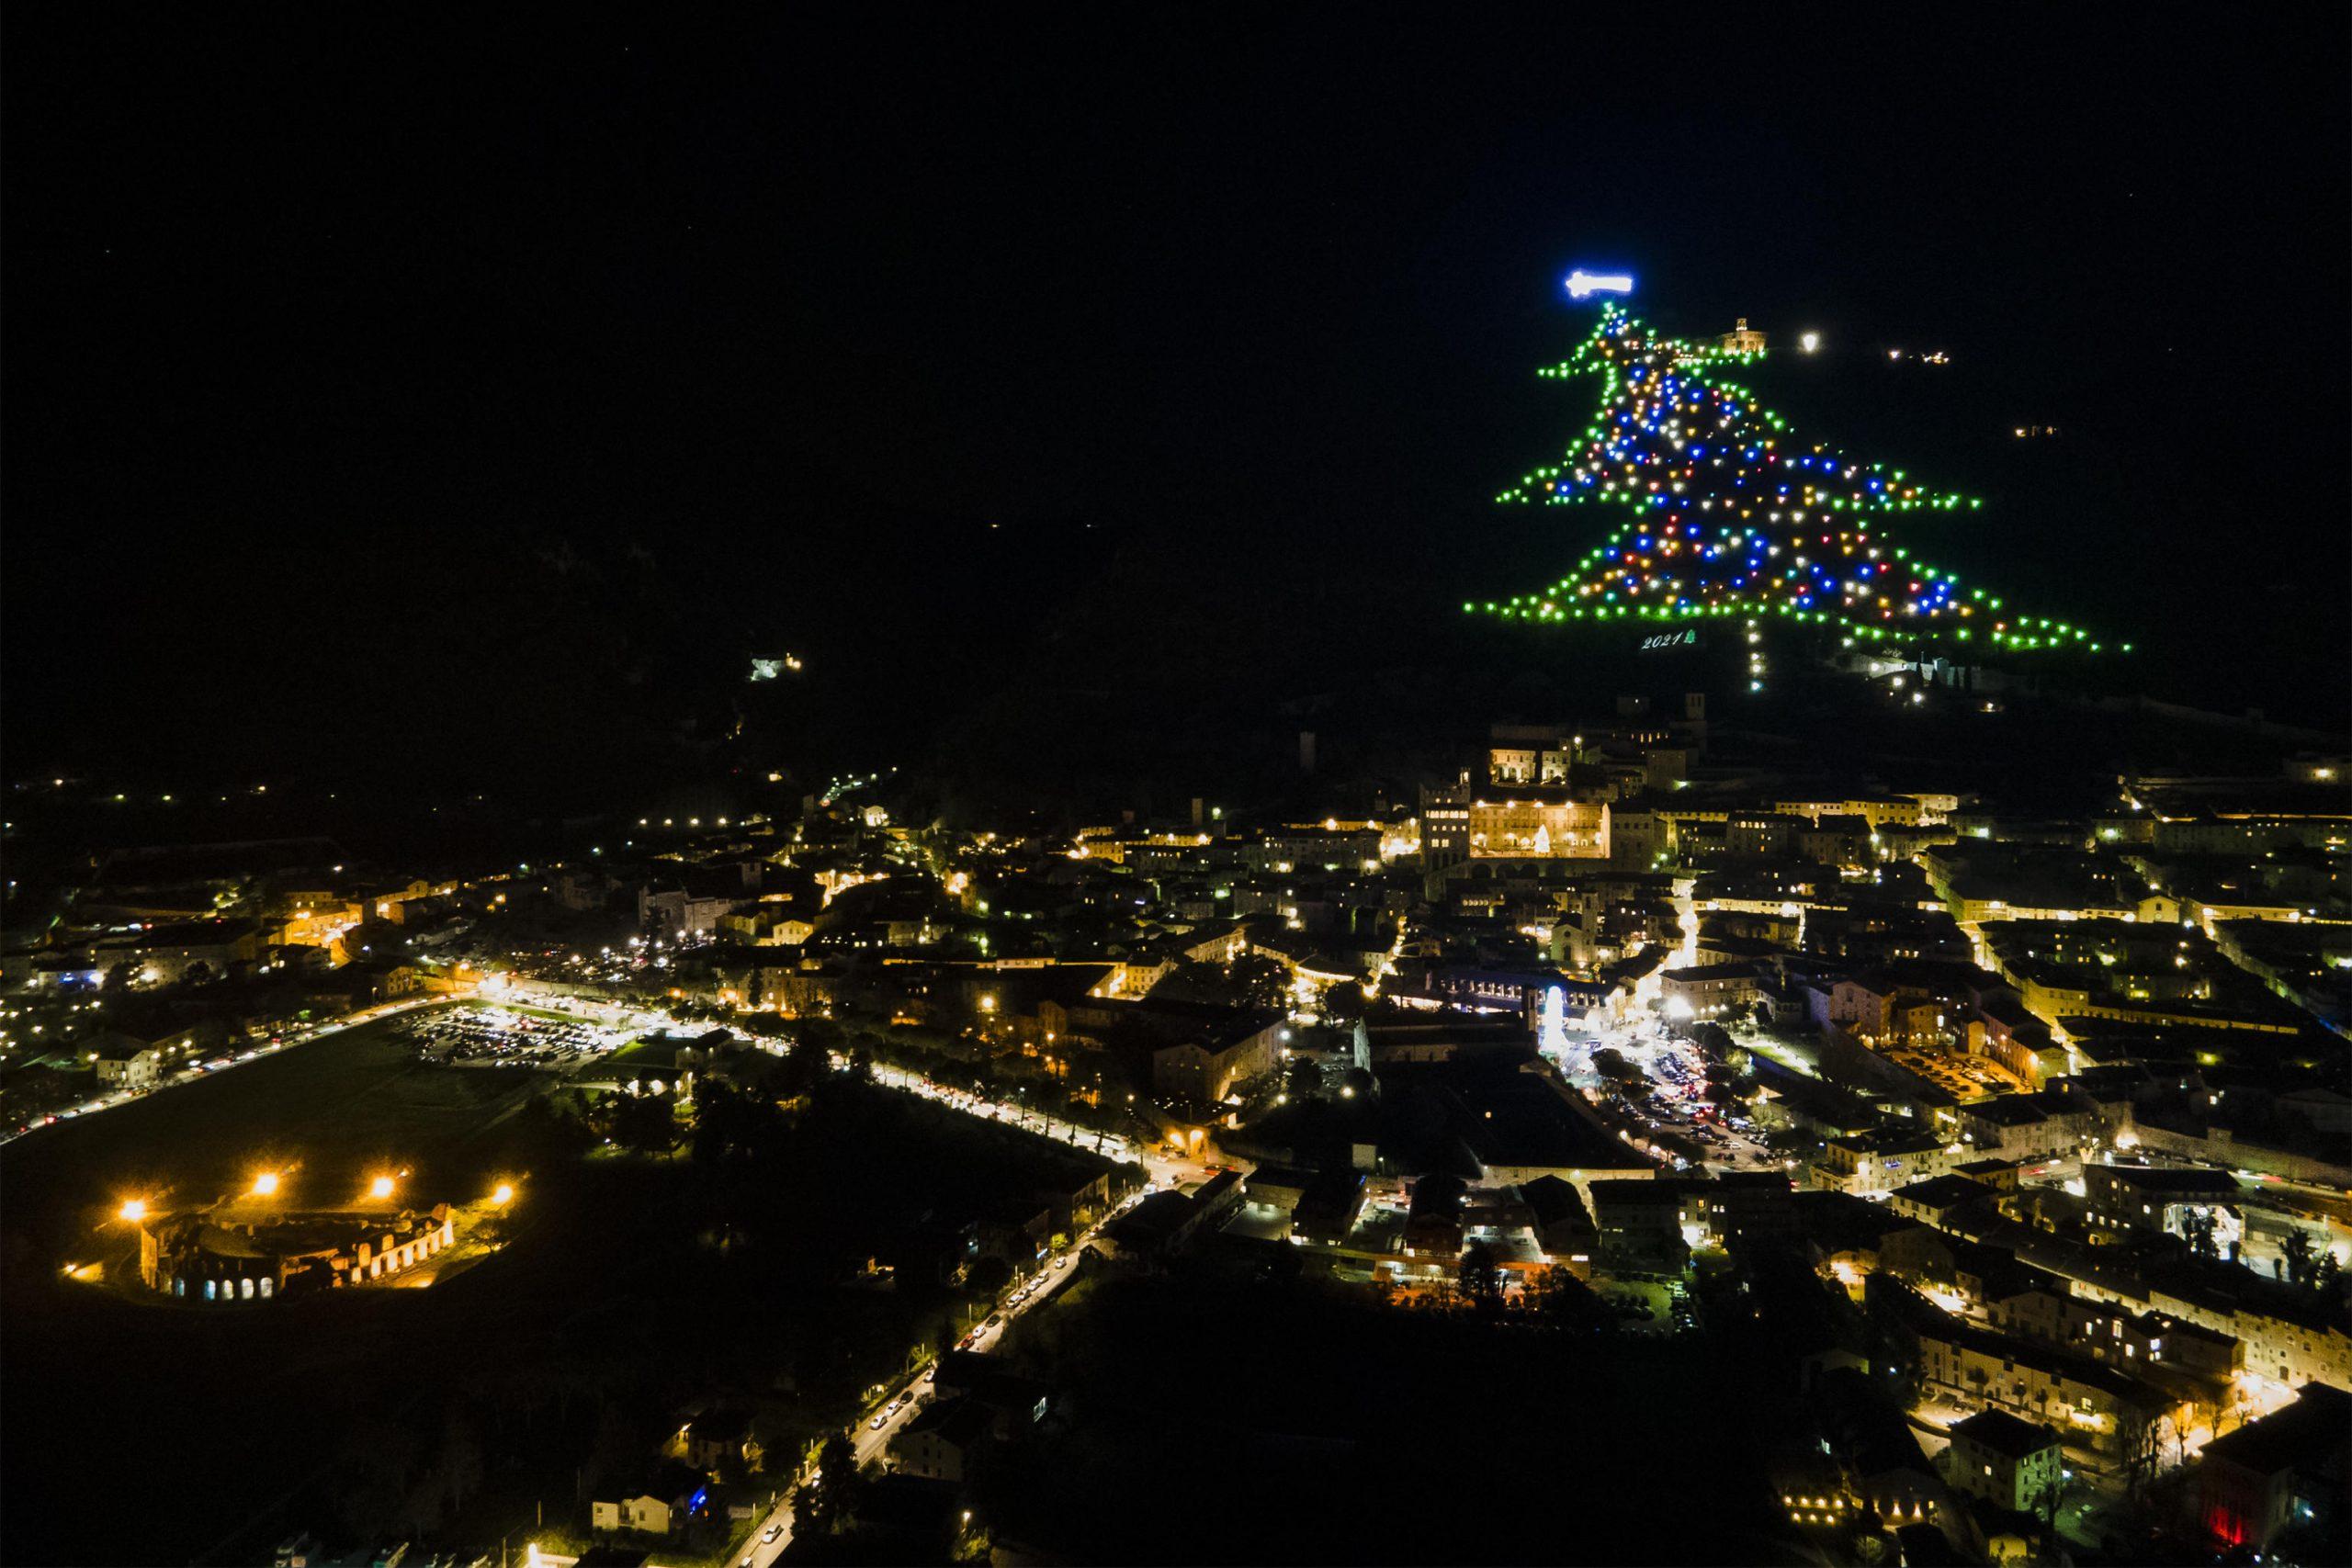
143,1432
1218,1417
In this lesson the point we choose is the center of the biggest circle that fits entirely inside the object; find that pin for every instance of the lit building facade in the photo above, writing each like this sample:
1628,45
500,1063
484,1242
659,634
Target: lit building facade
199,1258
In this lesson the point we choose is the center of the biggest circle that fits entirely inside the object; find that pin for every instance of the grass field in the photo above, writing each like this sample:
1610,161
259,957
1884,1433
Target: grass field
329,1114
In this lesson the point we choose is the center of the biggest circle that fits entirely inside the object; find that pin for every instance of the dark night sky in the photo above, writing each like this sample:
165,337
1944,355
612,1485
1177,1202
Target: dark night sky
363,381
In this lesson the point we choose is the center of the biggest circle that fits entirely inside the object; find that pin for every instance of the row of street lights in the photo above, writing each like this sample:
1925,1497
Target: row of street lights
265,1184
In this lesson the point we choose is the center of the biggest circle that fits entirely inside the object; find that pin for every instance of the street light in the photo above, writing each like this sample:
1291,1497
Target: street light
502,1194
265,1184
380,1188
134,1210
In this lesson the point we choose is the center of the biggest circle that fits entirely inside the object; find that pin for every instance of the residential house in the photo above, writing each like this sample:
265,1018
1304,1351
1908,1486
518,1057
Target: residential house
2008,1462
126,1063
1936,1201
707,1439
657,1504
944,1442
1328,1209
1882,1159
1640,1223
1748,1204
1434,1223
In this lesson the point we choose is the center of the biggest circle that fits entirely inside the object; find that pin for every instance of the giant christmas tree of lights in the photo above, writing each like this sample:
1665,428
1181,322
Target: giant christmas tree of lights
1723,514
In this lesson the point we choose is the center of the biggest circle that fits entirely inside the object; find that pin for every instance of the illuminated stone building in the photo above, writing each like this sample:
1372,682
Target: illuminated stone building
1881,1160
1539,827
2100,1407
1464,822
1709,990
2043,1309
209,1257
1206,1066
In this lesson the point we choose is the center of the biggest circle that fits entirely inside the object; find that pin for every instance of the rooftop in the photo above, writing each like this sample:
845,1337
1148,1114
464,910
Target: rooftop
2304,1434
2171,1178
1943,1193
2006,1434
959,1422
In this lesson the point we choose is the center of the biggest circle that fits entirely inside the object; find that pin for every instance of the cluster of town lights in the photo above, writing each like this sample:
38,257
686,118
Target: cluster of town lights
1726,516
